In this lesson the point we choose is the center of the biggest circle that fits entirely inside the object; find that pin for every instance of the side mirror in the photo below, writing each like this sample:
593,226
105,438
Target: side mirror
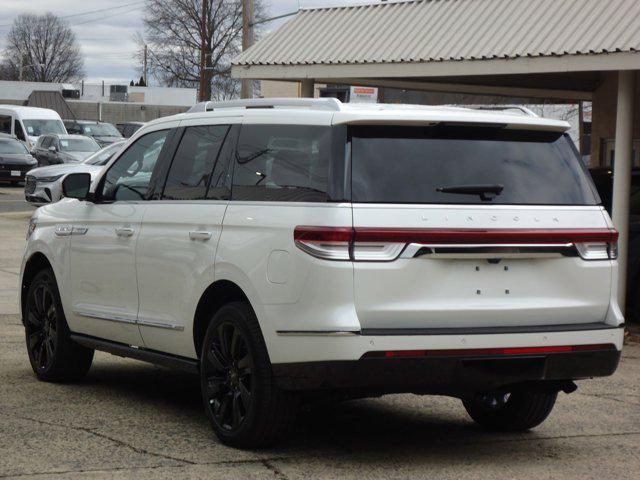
76,185
53,149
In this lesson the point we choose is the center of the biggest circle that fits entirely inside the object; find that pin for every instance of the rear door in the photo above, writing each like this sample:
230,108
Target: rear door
180,231
467,227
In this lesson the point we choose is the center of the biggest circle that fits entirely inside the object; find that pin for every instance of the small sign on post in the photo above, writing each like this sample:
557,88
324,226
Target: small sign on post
363,95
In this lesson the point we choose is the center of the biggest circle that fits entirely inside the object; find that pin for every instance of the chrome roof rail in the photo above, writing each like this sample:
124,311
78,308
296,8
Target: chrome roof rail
504,108
330,104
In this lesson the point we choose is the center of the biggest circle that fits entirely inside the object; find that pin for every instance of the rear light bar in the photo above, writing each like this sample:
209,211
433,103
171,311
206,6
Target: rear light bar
479,352
386,244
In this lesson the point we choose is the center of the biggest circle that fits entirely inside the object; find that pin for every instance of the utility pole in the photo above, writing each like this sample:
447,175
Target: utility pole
202,91
247,40
144,66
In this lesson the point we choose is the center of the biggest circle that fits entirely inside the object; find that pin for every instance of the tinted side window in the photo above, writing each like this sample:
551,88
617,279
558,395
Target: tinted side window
282,163
5,124
128,178
192,166
46,142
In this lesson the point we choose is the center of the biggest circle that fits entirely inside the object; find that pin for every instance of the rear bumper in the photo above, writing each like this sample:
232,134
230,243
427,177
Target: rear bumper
458,375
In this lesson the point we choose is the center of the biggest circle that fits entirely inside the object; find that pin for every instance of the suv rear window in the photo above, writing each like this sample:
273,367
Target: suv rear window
399,164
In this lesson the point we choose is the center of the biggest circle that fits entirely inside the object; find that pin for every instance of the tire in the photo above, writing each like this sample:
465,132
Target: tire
244,406
511,412
53,355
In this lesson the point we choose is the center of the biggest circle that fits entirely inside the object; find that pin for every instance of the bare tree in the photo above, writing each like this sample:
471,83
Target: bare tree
176,32
42,48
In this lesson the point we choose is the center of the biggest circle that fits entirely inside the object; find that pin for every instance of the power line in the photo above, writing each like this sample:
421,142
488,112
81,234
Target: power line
102,17
89,12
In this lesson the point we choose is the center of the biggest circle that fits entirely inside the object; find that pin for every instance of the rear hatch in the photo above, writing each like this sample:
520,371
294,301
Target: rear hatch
462,226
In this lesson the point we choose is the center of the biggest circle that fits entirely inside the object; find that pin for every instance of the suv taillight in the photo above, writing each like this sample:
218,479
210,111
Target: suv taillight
329,243
386,244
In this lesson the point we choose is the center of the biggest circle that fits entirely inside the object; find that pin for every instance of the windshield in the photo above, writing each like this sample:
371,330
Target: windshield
466,165
103,156
35,128
12,147
78,145
101,130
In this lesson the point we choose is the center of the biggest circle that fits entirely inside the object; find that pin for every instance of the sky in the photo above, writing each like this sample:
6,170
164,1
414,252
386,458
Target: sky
106,29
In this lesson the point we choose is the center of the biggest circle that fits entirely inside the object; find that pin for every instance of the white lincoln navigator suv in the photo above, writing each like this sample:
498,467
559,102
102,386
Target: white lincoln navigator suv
287,249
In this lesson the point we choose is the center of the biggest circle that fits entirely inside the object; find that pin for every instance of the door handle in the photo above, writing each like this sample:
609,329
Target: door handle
124,231
199,235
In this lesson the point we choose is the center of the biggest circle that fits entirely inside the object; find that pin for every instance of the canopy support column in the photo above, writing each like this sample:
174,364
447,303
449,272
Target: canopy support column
622,174
306,88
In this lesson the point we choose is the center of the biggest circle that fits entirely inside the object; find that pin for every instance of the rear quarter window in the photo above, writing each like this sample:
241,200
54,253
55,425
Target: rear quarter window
399,164
282,163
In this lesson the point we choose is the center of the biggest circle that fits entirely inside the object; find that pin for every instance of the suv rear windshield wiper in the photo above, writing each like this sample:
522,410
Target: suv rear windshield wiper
486,192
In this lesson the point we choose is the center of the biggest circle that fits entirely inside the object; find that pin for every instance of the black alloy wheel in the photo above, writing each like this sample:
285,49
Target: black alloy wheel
242,400
228,372
53,355
41,326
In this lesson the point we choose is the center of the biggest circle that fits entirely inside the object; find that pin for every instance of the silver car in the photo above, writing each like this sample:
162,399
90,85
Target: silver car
44,184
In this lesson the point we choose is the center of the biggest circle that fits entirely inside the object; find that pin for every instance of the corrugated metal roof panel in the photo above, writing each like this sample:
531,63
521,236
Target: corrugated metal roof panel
437,30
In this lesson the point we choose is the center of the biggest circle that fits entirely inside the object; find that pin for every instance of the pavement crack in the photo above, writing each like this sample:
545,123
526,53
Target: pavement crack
114,440
277,473
605,396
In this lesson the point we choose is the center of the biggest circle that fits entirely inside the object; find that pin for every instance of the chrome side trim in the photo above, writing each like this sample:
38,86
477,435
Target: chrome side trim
168,326
108,318
129,321
317,333
79,230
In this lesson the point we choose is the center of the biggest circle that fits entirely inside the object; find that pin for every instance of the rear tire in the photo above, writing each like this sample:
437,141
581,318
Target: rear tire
54,357
517,411
244,405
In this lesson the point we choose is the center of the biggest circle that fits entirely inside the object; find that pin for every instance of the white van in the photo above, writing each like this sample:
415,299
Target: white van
28,123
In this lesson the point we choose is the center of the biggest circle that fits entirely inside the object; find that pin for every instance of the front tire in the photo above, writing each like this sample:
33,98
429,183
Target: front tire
512,412
244,406
54,357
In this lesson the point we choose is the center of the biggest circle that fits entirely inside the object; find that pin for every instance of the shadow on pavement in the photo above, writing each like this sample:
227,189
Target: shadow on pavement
390,426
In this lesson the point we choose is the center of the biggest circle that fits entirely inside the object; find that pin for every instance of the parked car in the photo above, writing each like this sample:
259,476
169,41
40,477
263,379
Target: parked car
44,185
127,129
320,248
102,132
603,179
28,123
15,159
56,149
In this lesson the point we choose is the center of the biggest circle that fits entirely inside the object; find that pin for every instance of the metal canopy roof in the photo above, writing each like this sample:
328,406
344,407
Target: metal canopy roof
439,33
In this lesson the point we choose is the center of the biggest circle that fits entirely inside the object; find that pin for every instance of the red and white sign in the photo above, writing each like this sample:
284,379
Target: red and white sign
363,95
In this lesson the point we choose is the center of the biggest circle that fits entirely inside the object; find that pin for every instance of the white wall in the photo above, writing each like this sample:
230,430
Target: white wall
93,92
21,90
167,96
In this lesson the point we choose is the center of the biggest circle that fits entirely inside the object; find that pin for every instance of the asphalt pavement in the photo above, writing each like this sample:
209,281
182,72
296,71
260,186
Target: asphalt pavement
133,420
12,199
